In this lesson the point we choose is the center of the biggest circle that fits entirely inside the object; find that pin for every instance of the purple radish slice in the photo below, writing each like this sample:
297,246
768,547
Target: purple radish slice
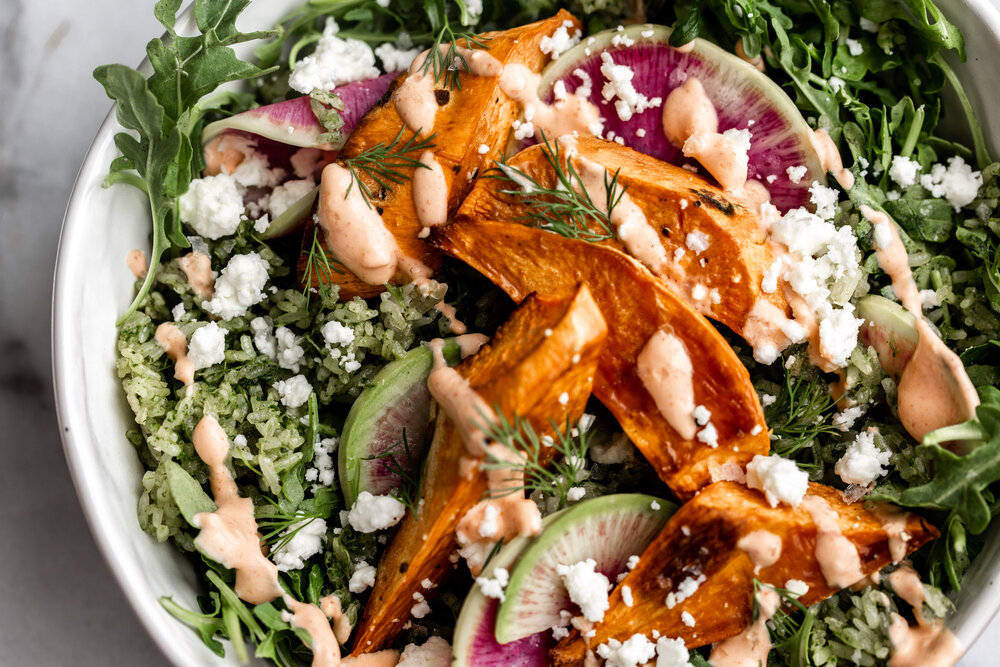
293,122
609,529
744,98
889,328
396,400
474,643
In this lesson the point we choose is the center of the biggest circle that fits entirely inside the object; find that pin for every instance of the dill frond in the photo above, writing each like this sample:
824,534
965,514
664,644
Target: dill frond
320,267
387,164
567,208
447,66
801,413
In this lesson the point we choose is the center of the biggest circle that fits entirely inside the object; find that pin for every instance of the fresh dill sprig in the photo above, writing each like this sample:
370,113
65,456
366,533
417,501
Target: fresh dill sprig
788,629
801,413
447,66
551,466
276,522
408,490
567,208
320,267
386,165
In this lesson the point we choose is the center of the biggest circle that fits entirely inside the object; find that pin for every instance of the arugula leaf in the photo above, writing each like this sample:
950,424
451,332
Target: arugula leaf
960,481
191,499
163,112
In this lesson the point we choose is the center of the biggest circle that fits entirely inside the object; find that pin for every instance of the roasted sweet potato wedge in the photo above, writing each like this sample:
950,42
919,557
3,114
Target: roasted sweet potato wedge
520,371
703,539
470,115
674,201
522,260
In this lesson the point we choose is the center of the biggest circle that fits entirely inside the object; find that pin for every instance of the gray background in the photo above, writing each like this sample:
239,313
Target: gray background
59,604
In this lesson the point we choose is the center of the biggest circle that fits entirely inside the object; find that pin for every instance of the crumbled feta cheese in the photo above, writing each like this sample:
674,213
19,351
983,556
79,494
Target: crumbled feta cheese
697,241
655,506
795,174
769,283
321,473
421,608
627,596
263,337
560,41
904,171
928,299
699,292
671,653
261,224
838,334
637,650
836,84
177,312
489,526
335,333
701,415
563,398
632,561
863,462
854,47
845,419
780,479
306,542
394,57
212,206
688,587
619,87
239,286
435,652
587,589
483,148
286,194
362,579
334,62
957,182
868,25
687,619
709,435
575,493
294,391
883,235
493,588
290,353
797,587
207,346
825,200
371,513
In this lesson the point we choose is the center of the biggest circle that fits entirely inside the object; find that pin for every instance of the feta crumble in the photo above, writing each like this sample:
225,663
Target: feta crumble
627,596
286,194
854,47
395,57
904,171
435,652
212,206
493,587
362,579
845,419
637,650
239,286
371,513
687,619
797,587
421,608
671,653
701,415
619,87
863,461
321,473
560,41
207,346
957,182
306,542
335,333
709,435
335,62
796,174
289,353
587,589
688,587
294,391
780,479
263,337
575,493
697,241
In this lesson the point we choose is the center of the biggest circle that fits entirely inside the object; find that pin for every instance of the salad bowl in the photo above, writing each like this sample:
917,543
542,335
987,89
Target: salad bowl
93,287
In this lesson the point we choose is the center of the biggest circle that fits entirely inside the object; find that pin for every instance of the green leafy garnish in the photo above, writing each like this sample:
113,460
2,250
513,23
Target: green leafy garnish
800,413
959,481
387,165
566,208
320,267
160,158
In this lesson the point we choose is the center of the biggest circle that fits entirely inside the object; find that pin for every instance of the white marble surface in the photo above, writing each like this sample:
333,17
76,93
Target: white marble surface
59,605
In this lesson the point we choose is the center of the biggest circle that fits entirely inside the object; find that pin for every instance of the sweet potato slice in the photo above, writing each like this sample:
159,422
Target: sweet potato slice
470,115
675,201
701,540
521,371
522,260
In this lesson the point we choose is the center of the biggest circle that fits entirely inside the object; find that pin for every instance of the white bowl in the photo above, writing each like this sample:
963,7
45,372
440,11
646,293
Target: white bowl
93,287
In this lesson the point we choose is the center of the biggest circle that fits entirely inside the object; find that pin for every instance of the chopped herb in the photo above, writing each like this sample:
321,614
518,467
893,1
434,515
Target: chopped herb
387,165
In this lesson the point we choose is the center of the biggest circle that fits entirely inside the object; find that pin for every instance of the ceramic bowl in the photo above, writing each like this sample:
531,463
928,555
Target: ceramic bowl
93,287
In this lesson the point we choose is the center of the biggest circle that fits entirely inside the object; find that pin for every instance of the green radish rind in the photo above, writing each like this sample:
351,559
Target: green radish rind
475,606
292,217
391,385
549,546
889,328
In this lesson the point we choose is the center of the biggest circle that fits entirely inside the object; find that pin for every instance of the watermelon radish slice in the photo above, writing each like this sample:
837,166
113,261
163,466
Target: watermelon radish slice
609,529
474,644
293,122
396,400
887,327
744,98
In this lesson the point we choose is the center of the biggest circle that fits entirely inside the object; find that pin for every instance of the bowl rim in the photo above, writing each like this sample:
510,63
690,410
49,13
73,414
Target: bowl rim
976,613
